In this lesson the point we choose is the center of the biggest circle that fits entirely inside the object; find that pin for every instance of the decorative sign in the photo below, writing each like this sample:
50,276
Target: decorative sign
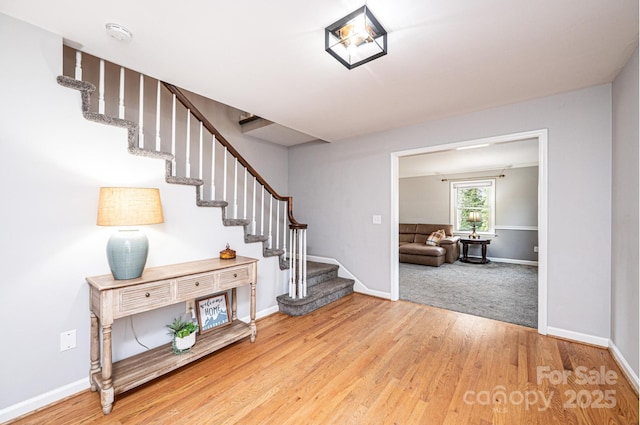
213,312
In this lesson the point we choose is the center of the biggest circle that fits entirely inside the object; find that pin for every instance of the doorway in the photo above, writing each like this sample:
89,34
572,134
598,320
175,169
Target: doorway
542,139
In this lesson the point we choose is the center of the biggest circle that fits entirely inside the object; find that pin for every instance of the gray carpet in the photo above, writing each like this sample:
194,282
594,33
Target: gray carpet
500,291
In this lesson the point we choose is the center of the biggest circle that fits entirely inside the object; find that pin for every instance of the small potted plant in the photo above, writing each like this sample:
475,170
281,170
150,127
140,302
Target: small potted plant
184,335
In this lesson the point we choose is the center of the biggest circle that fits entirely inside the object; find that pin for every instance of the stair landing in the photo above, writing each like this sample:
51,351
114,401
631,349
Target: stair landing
323,287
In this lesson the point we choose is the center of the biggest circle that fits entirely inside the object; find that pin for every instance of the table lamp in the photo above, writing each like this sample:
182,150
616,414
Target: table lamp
127,249
474,217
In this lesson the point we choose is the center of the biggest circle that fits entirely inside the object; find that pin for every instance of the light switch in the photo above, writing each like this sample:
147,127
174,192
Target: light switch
377,219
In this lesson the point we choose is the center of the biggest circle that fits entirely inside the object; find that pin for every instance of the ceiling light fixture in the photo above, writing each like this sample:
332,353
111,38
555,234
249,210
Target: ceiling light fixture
118,32
356,39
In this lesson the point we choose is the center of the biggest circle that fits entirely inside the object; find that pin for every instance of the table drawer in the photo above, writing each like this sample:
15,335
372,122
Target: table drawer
141,297
195,286
235,276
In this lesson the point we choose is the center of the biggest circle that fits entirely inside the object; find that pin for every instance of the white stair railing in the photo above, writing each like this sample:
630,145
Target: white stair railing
174,122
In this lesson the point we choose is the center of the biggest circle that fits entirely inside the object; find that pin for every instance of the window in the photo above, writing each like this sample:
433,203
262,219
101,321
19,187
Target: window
473,196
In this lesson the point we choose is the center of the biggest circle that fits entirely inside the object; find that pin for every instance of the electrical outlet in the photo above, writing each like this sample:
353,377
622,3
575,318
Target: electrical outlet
68,340
535,248
377,219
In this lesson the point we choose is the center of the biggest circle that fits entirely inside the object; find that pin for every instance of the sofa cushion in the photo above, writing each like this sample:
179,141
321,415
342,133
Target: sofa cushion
407,232
435,238
422,249
427,229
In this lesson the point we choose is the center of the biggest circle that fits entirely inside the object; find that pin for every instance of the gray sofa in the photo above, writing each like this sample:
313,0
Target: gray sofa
414,249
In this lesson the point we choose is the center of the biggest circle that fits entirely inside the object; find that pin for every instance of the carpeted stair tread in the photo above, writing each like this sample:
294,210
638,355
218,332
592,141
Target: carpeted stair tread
255,238
272,252
314,268
236,222
318,295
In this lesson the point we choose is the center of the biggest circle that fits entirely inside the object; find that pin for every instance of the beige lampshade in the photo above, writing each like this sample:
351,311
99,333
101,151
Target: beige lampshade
475,217
129,206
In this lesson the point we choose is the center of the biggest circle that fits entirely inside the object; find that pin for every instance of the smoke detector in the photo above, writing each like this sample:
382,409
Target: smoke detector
118,32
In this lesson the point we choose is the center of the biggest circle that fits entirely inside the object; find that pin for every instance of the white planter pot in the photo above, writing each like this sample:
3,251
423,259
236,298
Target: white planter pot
186,342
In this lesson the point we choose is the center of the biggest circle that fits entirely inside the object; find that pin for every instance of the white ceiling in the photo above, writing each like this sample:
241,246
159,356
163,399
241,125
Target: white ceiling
498,156
267,57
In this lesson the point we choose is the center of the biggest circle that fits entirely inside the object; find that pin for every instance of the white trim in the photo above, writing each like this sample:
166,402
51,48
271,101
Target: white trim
532,228
630,374
578,336
394,220
42,400
542,137
513,261
262,313
343,272
543,211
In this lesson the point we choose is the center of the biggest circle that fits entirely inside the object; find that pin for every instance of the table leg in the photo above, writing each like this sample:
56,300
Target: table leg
234,305
465,251
252,324
94,350
106,393
484,253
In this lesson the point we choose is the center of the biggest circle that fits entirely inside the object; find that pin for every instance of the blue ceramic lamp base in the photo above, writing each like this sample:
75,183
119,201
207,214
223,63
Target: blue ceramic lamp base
127,254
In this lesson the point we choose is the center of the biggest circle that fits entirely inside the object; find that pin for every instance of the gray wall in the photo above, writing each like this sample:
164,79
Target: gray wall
624,229
339,186
54,163
426,199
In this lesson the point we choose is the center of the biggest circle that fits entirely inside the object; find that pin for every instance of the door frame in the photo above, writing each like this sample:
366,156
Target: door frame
542,137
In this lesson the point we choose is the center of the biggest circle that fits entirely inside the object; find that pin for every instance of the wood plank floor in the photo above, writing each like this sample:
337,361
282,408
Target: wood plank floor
364,360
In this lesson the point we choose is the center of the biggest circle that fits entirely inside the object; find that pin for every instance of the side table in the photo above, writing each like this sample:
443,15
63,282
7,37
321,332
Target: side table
465,249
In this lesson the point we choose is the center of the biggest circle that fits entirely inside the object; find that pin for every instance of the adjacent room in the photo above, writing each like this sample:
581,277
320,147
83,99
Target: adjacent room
496,185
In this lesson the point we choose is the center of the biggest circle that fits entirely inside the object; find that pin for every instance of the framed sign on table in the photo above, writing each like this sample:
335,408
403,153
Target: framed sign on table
213,311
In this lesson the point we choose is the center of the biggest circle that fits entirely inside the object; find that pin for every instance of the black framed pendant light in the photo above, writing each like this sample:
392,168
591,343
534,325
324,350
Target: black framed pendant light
356,39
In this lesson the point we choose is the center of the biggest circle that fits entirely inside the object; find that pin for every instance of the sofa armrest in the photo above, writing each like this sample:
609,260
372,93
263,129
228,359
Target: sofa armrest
449,240
452,248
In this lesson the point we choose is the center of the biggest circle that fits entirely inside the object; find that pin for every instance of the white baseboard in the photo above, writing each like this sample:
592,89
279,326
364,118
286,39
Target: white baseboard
579,337
632,377
513,261
343,272
262,313
43,400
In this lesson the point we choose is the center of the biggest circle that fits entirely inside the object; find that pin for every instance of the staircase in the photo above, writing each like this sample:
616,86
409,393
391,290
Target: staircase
323,287
196,154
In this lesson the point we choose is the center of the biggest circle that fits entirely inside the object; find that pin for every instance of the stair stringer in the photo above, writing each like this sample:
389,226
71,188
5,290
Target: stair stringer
86,89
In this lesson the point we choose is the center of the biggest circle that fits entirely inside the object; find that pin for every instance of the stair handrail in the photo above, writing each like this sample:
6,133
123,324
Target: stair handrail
182,98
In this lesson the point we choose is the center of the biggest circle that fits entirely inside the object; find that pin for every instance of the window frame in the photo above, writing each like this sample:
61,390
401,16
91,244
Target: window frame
453,206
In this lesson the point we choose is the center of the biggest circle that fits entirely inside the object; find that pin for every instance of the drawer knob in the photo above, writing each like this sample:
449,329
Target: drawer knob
147,294
235,275
197,283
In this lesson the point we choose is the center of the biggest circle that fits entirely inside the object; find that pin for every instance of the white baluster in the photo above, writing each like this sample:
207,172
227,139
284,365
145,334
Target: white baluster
304,262
141,114
158,118
299,251
235,189
101,89
262,211
200,161
292,264
284,230
213,167
244,200
188,150
78,74
224,176
277,224
173,137
255,202
121,95
269,242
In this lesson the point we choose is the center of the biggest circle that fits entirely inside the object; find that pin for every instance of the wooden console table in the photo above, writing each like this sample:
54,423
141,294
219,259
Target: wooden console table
110,299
